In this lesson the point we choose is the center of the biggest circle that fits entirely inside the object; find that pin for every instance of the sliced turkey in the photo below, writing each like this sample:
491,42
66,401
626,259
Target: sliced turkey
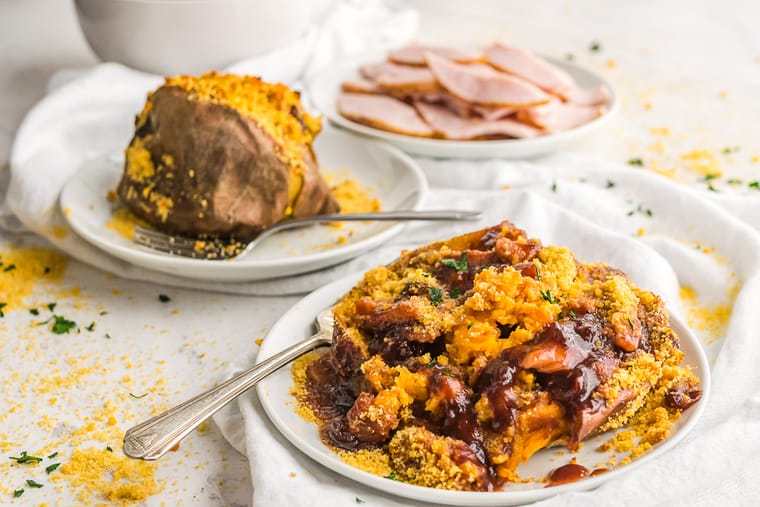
481,84
361,86
530,67
399,77
558,116
383,112
415,54
450,126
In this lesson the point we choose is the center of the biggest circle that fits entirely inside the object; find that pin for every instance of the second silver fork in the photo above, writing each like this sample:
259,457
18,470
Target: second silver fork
188,247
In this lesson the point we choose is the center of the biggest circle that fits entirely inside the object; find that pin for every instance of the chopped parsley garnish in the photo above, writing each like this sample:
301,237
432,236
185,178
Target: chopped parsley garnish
728,150
711,176
51,468
138,397
630,324
164,298
754,184
359,500
2,305
711,188
460,265
91,327
547,295
107,336
595,46
391,476
554,186
425,275
734,181
571,314
538,272
454,293
569,57
447,374
641,209
34,311
10,267
469,324
610,184
636,161
18,492
103,313
109,449
33,484
51,456
25,458
51,306
433,362
62,325
436,295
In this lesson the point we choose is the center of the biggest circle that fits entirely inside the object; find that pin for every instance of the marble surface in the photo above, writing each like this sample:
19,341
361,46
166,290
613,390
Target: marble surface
687,73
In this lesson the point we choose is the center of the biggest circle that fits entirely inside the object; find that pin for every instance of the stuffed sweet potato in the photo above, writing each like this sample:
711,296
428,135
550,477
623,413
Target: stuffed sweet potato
224,156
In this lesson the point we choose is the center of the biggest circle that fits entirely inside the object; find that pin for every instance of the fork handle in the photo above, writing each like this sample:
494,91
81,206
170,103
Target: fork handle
155,437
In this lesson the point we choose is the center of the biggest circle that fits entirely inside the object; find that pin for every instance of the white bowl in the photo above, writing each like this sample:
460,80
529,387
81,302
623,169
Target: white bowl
190,36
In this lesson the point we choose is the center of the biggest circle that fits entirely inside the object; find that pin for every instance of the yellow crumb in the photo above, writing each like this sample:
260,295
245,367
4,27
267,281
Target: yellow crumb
60,231
702,162
660,131
640,232
22,268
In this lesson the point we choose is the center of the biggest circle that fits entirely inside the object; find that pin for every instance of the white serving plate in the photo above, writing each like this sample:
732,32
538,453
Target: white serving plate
323,90
390,175
274,394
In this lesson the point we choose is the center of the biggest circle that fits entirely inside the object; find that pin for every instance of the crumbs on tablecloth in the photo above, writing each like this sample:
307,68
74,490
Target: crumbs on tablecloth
710,318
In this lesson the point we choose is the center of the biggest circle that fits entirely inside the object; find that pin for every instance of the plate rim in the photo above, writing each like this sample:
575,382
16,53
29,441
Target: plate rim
148,260
464,498
460,148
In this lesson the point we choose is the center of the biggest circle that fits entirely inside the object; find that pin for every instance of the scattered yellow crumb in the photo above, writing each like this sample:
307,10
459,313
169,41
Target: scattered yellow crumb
712,319
506,187
124,222
640,232
702,162
22,268
723,94
611,63
660,131
115,292
292,474
259,341
657,147
101,475
648,106
59,231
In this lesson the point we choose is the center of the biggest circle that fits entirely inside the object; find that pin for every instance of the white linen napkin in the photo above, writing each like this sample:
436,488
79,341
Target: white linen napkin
585,205
92,113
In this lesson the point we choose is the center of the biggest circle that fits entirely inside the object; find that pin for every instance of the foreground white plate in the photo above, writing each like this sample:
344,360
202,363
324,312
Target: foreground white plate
324,88
391,176
279,404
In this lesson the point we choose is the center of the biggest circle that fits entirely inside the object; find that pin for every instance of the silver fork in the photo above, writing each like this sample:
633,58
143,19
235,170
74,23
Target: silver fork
155,437
188,247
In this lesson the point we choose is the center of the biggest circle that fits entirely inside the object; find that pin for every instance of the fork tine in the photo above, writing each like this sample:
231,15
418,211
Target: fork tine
163,237
164,243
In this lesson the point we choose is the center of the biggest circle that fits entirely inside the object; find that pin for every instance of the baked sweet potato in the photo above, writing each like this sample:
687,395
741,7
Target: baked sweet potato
223,155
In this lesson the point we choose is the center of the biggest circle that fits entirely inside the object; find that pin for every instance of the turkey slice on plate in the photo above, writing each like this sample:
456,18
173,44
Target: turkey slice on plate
530,67
383,112
450,126
415,54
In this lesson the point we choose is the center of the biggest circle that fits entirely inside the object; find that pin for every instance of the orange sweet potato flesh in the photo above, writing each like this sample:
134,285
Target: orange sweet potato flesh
225,178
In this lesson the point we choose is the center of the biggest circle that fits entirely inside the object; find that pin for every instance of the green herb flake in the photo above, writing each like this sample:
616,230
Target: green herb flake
107,336
62,325
711,188
33,484
425,275
25,458
454,293
34,311
10,267
2,305
109,449
636,161
103,313
359,500
631,324
569,57
538,272
51,468
51,456
754,184
18,492
460,265
728,150
571,314
164,298
391,476
447,374
436,295
610,184
91,327
433,362
595,46
734,181
547,295
561,315
469,324
51,306
554,186
138,397
711,176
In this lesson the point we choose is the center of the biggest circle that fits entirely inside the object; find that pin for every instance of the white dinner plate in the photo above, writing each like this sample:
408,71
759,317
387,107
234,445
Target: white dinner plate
279,404
324,88
387,173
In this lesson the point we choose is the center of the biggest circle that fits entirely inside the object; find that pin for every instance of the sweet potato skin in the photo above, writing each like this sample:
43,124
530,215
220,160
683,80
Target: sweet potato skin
222,177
